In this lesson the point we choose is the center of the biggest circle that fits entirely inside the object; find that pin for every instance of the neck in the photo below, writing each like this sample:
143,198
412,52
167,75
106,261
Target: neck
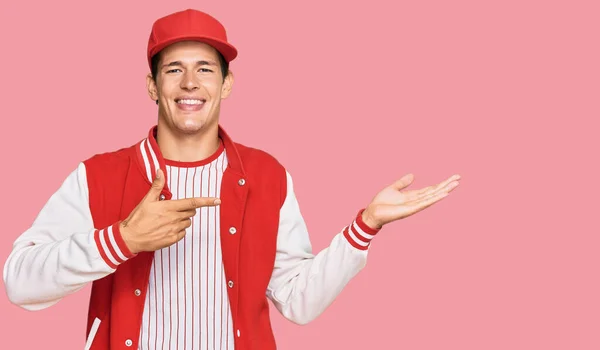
183,147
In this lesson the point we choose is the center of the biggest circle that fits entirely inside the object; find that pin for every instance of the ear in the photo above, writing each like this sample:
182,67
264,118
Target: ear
227,85
151,86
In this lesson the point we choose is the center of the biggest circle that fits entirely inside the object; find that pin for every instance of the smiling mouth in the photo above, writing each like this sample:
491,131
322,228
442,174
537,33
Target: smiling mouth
190,102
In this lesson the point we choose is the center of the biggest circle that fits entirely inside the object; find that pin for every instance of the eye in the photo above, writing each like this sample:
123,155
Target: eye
205,70
173,70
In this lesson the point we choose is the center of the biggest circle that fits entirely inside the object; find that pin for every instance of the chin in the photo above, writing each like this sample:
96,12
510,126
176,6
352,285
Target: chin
187,123
190,126
189,129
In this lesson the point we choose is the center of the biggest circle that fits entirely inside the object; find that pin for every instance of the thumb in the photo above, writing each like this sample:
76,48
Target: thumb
157,186
403,182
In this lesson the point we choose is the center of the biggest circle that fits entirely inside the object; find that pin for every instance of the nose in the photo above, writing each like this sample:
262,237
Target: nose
189,81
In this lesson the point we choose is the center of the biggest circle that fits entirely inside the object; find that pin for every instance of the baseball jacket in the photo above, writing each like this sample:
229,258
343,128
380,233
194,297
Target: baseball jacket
267,254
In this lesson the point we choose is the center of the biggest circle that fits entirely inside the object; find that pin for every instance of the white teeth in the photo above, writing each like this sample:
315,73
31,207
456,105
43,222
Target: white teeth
190,102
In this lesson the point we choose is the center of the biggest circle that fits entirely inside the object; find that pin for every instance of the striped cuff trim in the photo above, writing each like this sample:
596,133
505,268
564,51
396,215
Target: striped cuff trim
111,245
358,234
364,227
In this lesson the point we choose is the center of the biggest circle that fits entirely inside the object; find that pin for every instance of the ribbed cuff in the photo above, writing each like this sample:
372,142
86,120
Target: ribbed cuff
359,234
111,245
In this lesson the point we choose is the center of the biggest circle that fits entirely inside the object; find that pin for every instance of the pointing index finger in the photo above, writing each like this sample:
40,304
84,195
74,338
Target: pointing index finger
193,203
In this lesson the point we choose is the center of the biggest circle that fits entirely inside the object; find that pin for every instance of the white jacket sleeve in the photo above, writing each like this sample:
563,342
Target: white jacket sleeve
303,285
62,251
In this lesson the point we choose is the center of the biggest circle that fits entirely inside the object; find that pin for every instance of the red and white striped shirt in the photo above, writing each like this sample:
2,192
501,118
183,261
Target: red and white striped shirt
186,304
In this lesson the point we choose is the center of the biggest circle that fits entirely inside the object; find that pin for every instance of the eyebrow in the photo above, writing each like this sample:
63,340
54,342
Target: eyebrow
199,63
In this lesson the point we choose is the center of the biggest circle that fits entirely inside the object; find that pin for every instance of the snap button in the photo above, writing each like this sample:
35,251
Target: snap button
232,230
230,284
242,182
138,292
238,333
162,197
128,342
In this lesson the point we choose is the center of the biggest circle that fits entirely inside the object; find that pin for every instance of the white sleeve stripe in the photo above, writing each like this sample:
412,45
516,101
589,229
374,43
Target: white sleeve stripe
156,165
92,334
106,250
111,238
355,239
146,163
360,232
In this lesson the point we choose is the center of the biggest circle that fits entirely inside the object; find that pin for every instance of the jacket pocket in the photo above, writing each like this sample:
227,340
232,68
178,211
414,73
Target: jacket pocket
93,330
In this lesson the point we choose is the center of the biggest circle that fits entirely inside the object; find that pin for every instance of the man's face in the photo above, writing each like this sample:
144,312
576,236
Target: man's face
189,86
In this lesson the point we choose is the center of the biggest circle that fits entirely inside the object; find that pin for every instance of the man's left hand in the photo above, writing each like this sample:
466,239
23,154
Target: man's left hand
392,204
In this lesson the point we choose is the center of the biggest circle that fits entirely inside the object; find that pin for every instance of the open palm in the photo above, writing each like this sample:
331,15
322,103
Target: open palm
392,204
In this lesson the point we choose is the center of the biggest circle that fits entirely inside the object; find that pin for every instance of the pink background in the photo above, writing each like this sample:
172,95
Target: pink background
505,93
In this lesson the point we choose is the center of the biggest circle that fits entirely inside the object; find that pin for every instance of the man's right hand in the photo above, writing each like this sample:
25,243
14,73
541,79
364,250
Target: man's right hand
156,224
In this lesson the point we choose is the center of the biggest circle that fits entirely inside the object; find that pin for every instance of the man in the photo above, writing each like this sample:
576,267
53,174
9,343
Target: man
186,234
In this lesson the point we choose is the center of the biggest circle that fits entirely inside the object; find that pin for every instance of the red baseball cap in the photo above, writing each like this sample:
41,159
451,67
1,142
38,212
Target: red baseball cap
189,25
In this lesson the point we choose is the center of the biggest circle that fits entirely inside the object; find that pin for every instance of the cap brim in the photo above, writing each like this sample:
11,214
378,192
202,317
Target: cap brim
228,51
